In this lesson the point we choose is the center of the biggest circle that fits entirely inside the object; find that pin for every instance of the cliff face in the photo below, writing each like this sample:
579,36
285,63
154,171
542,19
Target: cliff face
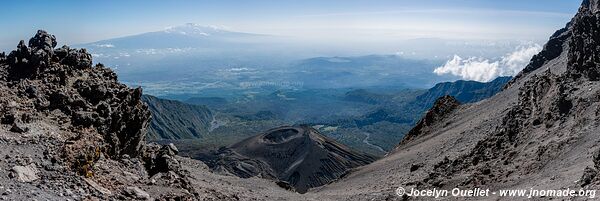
174,120
584,44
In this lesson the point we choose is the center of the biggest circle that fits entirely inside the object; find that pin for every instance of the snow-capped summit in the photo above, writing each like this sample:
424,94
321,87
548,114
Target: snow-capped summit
188,35
193,29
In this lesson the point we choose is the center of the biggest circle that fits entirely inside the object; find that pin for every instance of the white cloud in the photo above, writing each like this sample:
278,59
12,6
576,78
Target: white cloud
473,68
484,70
517,60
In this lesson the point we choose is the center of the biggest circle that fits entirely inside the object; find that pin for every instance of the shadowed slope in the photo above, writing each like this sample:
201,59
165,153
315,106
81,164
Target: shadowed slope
298,155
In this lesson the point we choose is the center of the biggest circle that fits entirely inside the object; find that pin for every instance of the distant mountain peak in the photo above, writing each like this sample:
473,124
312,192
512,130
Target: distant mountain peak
196,29
180,39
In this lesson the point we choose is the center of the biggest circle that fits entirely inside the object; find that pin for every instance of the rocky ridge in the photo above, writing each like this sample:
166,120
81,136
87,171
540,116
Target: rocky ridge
547,100
463,91
70,130
540,132
441,108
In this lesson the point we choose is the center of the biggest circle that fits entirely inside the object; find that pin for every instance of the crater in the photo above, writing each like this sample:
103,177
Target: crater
281,135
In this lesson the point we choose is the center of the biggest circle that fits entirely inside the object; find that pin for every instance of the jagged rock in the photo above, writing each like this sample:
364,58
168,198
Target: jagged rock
19,60
584,45
170,149
129,122
589,175
43,40
552,49
78,58
84,122
161,158
28,61
441,108
26,173
84,118
137,193
119,114
18,128
97,186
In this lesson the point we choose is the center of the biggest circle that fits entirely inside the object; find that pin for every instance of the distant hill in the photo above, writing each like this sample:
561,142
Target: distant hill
367,71
369,120
378,130
208,101
173,120
404,112
365,96
299,156
463,91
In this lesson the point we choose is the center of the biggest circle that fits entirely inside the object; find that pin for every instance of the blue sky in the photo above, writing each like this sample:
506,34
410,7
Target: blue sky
342,20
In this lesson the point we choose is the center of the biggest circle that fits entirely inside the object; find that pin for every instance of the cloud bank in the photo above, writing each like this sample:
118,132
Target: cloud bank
485,70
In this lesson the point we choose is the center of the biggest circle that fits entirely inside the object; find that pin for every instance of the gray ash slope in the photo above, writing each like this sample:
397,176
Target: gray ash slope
540,132
297,156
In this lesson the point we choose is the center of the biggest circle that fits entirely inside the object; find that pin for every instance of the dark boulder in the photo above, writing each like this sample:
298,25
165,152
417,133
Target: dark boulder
43,40
78,58
161,159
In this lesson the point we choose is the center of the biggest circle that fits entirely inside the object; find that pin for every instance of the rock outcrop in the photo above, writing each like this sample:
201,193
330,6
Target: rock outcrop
440,110
78,126
90,96
584,44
